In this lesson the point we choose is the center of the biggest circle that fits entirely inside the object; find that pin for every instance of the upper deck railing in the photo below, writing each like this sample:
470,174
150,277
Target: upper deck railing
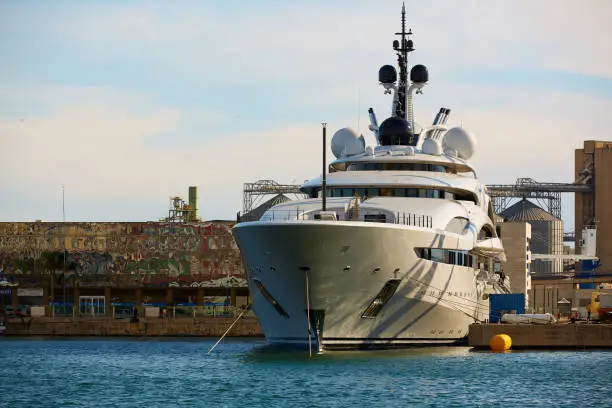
385,217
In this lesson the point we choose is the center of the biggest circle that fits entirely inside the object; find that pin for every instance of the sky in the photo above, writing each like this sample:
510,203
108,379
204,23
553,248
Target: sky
127,103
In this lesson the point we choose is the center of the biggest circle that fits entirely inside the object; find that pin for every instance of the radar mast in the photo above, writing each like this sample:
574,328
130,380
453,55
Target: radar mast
402,47
399,129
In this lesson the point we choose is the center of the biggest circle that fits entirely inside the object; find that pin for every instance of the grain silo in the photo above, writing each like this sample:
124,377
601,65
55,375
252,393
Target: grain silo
546,234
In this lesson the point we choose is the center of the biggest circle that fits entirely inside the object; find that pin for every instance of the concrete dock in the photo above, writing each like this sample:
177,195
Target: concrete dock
183,327
549,336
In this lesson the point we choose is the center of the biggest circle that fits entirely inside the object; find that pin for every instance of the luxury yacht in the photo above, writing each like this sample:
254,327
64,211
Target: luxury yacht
396,246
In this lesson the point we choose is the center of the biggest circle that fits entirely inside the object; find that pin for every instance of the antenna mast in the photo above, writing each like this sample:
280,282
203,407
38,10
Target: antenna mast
403,48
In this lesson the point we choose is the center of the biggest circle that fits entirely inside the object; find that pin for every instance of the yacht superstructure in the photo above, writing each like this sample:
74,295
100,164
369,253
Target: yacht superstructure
396,246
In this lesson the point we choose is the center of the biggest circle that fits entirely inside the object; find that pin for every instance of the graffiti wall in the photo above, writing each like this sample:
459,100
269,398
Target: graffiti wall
148,253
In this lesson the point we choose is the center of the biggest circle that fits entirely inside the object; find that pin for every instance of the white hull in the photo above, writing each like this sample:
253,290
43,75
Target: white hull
346,265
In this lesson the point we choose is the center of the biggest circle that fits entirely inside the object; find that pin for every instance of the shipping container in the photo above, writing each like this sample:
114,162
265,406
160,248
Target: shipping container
499,304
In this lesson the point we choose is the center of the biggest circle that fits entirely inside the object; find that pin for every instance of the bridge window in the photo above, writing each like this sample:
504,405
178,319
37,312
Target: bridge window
396,192
368,166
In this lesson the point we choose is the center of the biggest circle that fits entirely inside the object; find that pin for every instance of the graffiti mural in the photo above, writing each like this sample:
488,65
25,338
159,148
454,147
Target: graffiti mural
151,253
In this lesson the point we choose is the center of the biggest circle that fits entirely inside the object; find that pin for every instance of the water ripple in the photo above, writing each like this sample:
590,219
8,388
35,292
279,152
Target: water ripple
178,373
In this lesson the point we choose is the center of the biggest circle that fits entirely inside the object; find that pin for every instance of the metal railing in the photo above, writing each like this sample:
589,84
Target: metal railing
127,312
400,218
285,215
414,220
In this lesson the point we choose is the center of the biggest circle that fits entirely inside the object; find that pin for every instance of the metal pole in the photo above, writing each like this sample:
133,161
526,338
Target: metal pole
324,184
64,247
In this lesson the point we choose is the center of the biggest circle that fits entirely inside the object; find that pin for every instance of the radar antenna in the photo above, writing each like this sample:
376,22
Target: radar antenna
400,129
403,48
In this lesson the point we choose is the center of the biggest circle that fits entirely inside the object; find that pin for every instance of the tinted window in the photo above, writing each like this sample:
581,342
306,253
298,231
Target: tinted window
368,166
394,192
447,256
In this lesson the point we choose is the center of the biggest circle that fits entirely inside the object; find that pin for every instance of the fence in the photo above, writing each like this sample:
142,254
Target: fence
123,311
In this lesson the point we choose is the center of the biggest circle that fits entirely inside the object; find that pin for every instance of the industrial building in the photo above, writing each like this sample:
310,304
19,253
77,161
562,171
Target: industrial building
546,234
593,166
592,234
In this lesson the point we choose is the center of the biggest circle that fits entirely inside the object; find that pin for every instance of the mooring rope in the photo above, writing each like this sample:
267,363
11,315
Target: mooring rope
227,331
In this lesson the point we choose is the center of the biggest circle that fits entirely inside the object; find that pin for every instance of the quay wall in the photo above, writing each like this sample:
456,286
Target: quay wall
186,327
544,336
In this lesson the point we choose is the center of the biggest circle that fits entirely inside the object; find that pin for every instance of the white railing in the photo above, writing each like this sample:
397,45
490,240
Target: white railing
401,218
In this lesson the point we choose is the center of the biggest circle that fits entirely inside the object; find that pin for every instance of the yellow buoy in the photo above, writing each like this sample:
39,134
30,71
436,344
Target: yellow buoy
500,342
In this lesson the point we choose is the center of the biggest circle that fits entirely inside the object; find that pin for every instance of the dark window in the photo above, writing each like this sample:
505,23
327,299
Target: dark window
394,192
368,166
270,299
447,256
381,299
375,218
485,232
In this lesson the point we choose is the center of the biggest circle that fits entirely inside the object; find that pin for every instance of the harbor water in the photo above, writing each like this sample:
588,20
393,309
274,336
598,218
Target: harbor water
41,372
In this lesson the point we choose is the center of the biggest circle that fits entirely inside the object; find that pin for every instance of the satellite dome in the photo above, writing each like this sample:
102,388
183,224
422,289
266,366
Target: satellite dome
419,74
461,141
387,74
432,147
395,131
345,142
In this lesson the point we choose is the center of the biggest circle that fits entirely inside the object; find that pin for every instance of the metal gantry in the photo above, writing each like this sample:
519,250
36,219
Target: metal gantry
548,195
254,193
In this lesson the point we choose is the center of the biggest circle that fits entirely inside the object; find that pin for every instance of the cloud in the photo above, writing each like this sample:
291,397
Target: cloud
287,40
97,145
129,104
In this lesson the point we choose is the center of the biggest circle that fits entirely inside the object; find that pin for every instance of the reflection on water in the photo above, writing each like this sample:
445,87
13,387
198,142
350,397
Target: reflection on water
264,352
